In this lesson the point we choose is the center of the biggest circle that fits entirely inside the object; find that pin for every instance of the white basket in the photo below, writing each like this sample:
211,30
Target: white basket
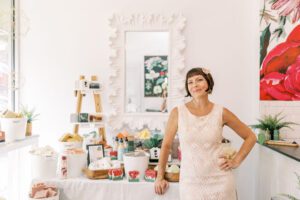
69,145
43,167
134,162
14,128
49,198
75,164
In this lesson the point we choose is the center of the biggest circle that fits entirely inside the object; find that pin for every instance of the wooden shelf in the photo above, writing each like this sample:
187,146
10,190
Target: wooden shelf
7,147
90,124
87,91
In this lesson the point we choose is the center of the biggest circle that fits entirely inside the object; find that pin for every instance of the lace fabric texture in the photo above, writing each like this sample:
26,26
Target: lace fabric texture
200,141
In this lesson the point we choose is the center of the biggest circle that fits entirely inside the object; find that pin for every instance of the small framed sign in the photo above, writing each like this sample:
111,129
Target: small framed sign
95,152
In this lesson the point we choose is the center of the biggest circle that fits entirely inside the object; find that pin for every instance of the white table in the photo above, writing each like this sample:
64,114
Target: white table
86,189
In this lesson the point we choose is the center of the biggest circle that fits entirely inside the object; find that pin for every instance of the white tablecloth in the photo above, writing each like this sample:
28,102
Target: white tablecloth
86,189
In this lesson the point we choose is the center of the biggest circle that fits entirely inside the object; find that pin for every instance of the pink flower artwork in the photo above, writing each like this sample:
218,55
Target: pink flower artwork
280,70
288,7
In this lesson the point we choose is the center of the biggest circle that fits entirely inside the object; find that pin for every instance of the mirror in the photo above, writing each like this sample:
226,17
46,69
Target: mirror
147,69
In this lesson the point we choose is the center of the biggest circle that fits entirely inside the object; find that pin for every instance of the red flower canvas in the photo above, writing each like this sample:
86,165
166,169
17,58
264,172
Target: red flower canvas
280,64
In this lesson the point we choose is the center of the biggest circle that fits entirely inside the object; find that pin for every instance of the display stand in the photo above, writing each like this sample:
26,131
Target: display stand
80,93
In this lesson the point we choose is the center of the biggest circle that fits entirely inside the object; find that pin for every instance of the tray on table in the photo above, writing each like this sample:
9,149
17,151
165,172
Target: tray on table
95,174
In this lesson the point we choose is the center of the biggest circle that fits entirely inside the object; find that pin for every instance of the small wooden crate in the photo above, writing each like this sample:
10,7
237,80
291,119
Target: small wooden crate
96,174
172,177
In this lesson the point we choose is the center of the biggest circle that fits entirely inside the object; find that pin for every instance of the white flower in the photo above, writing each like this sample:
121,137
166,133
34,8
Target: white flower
148,85
157,89
164,62
156,58
206,71
152,75
148,64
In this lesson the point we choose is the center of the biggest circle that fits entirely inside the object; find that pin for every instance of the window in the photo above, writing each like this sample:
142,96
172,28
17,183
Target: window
7,67
7,54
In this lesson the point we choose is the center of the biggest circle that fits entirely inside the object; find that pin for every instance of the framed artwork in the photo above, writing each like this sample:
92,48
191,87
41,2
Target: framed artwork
155,75
279,50
95,152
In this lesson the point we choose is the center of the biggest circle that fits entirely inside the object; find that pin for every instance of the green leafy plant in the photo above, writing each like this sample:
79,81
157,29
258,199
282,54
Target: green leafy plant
30,114
291,197
273,122
154,141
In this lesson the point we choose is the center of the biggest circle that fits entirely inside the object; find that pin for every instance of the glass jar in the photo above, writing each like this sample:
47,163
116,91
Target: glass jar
261,137
276,134
267,134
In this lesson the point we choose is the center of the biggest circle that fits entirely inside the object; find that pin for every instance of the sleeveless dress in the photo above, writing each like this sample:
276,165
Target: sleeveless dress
200,142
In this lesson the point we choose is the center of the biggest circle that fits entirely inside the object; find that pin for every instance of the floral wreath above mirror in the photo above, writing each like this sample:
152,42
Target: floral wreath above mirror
169,82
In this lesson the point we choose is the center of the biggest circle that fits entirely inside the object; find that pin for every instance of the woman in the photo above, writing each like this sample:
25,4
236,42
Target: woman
205,172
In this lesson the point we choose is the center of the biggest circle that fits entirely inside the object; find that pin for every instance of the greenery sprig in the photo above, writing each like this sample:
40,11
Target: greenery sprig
271,123
30,114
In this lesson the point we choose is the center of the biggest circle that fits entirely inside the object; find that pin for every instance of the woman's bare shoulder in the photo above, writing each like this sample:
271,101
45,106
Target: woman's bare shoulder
229,116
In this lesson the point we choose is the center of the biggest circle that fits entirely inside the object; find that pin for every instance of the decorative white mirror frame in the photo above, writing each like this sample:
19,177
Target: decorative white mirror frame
173,24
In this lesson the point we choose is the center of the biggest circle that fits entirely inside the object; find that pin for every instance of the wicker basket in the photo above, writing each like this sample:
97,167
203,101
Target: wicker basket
172,177
96,174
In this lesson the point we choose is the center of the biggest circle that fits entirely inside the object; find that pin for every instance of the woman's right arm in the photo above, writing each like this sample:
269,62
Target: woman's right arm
161,185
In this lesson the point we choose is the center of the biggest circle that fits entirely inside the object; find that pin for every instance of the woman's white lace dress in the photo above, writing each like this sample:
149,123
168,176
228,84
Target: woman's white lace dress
200,141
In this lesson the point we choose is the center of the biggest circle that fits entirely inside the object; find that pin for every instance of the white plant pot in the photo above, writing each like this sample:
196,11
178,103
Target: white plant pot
14,128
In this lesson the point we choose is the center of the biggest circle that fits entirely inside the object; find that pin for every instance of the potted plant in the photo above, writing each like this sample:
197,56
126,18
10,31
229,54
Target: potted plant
272,122
31,115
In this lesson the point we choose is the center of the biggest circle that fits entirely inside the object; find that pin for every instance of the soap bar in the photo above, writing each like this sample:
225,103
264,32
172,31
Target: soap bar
133,176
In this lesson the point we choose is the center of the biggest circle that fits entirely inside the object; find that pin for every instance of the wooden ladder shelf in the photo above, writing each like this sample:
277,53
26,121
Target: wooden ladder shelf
98,108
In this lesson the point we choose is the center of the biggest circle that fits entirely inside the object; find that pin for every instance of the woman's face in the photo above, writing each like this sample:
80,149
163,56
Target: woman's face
197,86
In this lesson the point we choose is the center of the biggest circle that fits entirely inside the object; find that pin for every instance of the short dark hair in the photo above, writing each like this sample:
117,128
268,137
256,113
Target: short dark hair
199,71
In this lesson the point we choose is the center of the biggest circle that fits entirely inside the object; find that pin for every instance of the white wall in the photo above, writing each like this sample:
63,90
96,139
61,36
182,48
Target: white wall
68,38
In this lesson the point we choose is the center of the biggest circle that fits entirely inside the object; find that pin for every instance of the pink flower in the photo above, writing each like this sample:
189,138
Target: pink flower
288,7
